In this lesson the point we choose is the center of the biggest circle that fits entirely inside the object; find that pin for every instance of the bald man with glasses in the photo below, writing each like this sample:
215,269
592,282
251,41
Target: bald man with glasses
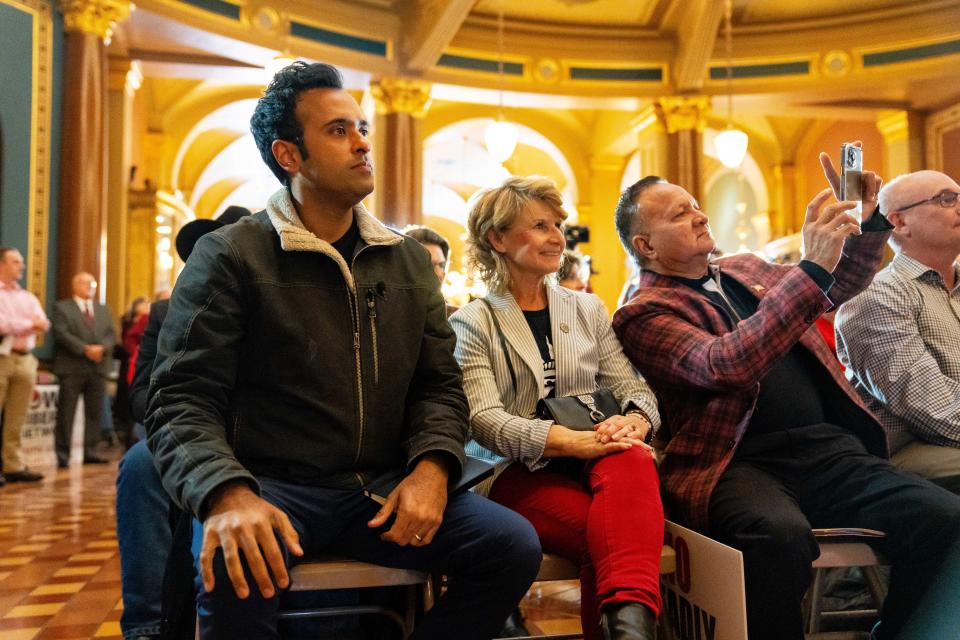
900,338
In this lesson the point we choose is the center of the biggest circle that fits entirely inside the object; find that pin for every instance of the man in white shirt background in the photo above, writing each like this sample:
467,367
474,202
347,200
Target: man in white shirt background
21,319
900,338
84,337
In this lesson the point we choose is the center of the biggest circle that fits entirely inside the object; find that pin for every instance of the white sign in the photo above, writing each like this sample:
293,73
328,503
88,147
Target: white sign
704,598
36,442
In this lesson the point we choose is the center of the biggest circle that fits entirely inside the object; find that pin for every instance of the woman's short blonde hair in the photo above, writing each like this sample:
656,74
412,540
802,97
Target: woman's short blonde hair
498,208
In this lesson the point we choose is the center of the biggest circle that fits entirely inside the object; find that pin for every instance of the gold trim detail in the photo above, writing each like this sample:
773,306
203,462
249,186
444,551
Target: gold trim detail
401,95
547,71
97,17
488,78
836,64
265,19
568,64
41,81
683,113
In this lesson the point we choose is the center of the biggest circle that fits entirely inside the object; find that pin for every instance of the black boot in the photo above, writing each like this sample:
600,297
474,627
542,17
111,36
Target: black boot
628,621
515,626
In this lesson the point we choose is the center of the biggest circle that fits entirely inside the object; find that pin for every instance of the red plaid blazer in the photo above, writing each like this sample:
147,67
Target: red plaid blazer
706,373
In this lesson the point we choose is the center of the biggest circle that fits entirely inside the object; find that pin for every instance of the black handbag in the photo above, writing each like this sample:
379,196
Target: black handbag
578,412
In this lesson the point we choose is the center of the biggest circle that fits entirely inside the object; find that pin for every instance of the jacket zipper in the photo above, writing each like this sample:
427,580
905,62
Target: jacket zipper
372,314
358,361
355,321
236,433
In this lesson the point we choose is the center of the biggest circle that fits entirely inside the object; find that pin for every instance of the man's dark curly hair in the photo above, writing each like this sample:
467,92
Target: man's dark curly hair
275,117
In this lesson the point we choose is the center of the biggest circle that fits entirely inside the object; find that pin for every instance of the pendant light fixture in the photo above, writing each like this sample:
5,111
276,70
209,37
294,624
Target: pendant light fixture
731,144
500,136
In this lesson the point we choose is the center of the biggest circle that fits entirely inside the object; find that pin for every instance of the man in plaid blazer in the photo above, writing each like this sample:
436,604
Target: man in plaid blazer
762,437
900,339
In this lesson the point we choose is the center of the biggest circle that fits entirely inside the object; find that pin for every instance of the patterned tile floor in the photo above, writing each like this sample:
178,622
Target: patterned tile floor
60,568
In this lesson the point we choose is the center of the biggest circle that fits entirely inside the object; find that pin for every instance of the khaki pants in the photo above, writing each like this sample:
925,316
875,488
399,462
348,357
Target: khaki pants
17,376
938,464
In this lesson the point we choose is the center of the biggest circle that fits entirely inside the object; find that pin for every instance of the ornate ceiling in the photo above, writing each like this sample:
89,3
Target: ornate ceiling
799,57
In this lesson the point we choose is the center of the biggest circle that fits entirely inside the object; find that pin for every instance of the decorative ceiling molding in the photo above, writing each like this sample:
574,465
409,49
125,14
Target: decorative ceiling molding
434,24
695,43
656,47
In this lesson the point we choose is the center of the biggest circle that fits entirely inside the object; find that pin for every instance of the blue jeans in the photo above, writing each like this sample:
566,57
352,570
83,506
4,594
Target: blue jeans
489,553
143,532
145,539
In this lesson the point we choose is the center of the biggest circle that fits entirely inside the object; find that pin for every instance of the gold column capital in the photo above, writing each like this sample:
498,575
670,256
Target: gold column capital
401,95
683,113
96,17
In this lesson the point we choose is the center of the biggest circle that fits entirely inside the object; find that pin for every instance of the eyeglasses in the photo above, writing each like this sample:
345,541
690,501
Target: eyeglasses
945,199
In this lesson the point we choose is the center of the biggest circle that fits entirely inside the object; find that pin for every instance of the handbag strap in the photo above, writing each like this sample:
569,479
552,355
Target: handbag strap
503,342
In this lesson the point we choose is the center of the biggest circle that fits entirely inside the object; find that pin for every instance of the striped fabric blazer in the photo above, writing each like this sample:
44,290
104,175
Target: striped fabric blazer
706,372
588,357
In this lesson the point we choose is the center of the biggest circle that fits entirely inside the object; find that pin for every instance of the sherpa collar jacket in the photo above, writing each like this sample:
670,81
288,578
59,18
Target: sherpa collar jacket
279,359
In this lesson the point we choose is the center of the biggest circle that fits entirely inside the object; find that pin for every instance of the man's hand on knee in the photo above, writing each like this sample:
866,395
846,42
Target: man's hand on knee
419,501
239,520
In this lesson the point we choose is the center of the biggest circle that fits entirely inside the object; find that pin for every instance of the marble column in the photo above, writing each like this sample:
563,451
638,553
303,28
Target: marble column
684,118
81,229
401,104
125,78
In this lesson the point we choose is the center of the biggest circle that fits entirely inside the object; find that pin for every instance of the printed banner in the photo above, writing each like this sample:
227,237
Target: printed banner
704,599
36,443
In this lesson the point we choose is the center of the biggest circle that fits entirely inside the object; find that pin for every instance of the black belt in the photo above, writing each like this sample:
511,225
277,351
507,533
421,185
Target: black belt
20,352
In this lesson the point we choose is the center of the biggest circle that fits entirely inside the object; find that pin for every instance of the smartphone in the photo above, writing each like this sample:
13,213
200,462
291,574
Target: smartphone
851,169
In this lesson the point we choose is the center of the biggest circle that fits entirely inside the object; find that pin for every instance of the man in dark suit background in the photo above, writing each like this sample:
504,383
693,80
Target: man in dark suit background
84,336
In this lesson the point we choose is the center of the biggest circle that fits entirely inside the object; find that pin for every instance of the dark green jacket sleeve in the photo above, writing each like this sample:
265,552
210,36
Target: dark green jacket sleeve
437,412
194,374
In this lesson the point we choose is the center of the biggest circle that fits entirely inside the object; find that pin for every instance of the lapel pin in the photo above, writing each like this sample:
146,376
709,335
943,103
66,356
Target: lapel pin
564,327
759,288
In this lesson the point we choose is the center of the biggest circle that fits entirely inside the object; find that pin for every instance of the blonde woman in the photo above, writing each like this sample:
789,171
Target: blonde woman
593,496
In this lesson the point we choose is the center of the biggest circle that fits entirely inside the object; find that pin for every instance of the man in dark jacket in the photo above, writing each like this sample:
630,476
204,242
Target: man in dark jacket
83,333
305,355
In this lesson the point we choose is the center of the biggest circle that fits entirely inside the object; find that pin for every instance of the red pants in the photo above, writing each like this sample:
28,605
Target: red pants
612,528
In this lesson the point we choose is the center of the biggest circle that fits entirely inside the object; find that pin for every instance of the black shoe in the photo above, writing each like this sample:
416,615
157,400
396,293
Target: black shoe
3,480
24,476
628,621
514,627
91,458
62,464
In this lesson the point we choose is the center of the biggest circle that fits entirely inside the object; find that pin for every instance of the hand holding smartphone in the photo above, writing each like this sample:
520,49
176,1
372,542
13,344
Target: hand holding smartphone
851,172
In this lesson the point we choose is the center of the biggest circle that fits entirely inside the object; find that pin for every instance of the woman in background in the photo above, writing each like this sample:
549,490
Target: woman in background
570,275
